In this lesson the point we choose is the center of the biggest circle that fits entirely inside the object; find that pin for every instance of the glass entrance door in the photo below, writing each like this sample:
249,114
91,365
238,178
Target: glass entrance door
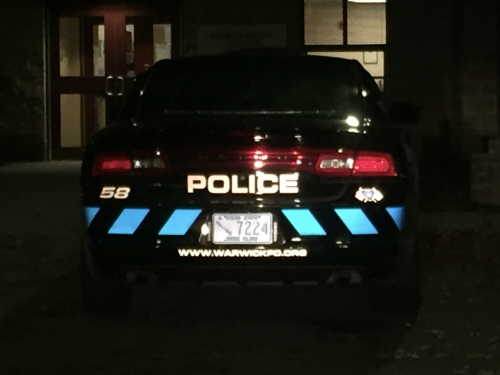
96,56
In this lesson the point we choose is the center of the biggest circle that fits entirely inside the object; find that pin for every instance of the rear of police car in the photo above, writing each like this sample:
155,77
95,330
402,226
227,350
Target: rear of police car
249,169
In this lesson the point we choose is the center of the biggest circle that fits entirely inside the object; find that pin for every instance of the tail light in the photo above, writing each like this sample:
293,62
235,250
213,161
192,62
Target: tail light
138,163
323,162
361,164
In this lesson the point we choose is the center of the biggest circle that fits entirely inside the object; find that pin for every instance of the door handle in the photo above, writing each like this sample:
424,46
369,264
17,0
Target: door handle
108,81
122,85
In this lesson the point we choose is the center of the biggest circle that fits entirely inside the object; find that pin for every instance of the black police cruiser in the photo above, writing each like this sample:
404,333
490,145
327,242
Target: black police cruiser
251,168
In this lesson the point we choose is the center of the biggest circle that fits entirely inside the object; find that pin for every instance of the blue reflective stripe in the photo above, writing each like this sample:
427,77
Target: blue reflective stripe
356,221
179,222
129,220
304,222
398,215
90,213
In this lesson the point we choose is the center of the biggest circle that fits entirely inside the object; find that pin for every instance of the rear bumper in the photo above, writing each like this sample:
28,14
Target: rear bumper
120,256
368,241
247,276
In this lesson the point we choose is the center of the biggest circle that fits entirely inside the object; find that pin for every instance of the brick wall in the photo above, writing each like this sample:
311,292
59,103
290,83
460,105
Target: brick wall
479,83
22,88
441,55
485,176
480,98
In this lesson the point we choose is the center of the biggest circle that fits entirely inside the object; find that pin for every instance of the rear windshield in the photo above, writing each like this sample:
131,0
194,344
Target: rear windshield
251,86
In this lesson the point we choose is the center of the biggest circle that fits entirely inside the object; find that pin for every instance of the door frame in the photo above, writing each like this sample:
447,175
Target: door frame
171,11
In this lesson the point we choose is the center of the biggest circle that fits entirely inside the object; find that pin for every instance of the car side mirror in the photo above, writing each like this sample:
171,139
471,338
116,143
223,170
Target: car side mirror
405,113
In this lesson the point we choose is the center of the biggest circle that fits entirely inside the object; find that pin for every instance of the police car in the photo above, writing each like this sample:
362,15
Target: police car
251,168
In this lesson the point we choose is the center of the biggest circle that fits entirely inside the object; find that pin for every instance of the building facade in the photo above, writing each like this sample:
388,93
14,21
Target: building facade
63,70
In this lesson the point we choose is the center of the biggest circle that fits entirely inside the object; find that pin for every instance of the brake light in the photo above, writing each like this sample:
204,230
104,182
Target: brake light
116,165
360,164
138,163
374,164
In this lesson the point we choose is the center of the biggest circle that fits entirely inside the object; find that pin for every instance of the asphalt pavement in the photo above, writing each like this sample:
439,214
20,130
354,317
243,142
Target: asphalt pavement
185,330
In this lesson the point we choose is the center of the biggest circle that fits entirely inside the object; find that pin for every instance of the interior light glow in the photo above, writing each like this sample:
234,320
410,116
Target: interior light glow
352,121
260,156
258,138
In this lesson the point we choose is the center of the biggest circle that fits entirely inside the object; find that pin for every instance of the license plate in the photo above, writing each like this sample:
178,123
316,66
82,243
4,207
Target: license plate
243,229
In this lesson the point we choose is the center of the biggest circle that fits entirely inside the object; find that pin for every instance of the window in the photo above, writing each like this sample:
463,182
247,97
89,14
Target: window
353,29
269,85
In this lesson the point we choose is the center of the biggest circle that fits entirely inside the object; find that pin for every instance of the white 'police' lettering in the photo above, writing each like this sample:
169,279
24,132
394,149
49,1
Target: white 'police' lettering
260,183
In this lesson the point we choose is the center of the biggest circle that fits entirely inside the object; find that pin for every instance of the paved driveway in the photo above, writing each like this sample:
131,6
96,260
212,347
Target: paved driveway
234,331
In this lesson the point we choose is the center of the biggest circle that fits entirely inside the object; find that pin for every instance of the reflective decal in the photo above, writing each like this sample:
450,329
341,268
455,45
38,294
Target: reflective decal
109,192
369,195
179,222
259,183
242,253
122,192
356,221
90,213
128,221
304,222
198,182
398,215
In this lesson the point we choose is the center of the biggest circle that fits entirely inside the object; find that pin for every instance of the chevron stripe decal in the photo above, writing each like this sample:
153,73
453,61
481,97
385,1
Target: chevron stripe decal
301,219
356,221
89,213
179,222
129,220
304,222
398,215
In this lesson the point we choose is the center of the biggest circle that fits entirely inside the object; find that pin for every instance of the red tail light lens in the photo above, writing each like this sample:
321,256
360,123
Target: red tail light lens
323,162
360,164
374,164
112,164
140,163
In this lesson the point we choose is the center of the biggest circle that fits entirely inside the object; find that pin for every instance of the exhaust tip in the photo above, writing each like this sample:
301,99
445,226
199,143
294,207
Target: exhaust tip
344,278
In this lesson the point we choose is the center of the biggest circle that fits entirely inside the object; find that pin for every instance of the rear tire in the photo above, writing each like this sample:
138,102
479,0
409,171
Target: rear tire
104,299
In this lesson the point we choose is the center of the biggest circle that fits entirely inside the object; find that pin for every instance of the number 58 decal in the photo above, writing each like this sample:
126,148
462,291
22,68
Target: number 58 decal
109,192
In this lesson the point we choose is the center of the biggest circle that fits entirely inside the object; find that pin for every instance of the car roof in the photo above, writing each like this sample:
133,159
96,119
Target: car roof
260,57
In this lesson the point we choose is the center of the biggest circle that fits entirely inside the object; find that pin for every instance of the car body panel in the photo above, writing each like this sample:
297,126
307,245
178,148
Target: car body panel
159,225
